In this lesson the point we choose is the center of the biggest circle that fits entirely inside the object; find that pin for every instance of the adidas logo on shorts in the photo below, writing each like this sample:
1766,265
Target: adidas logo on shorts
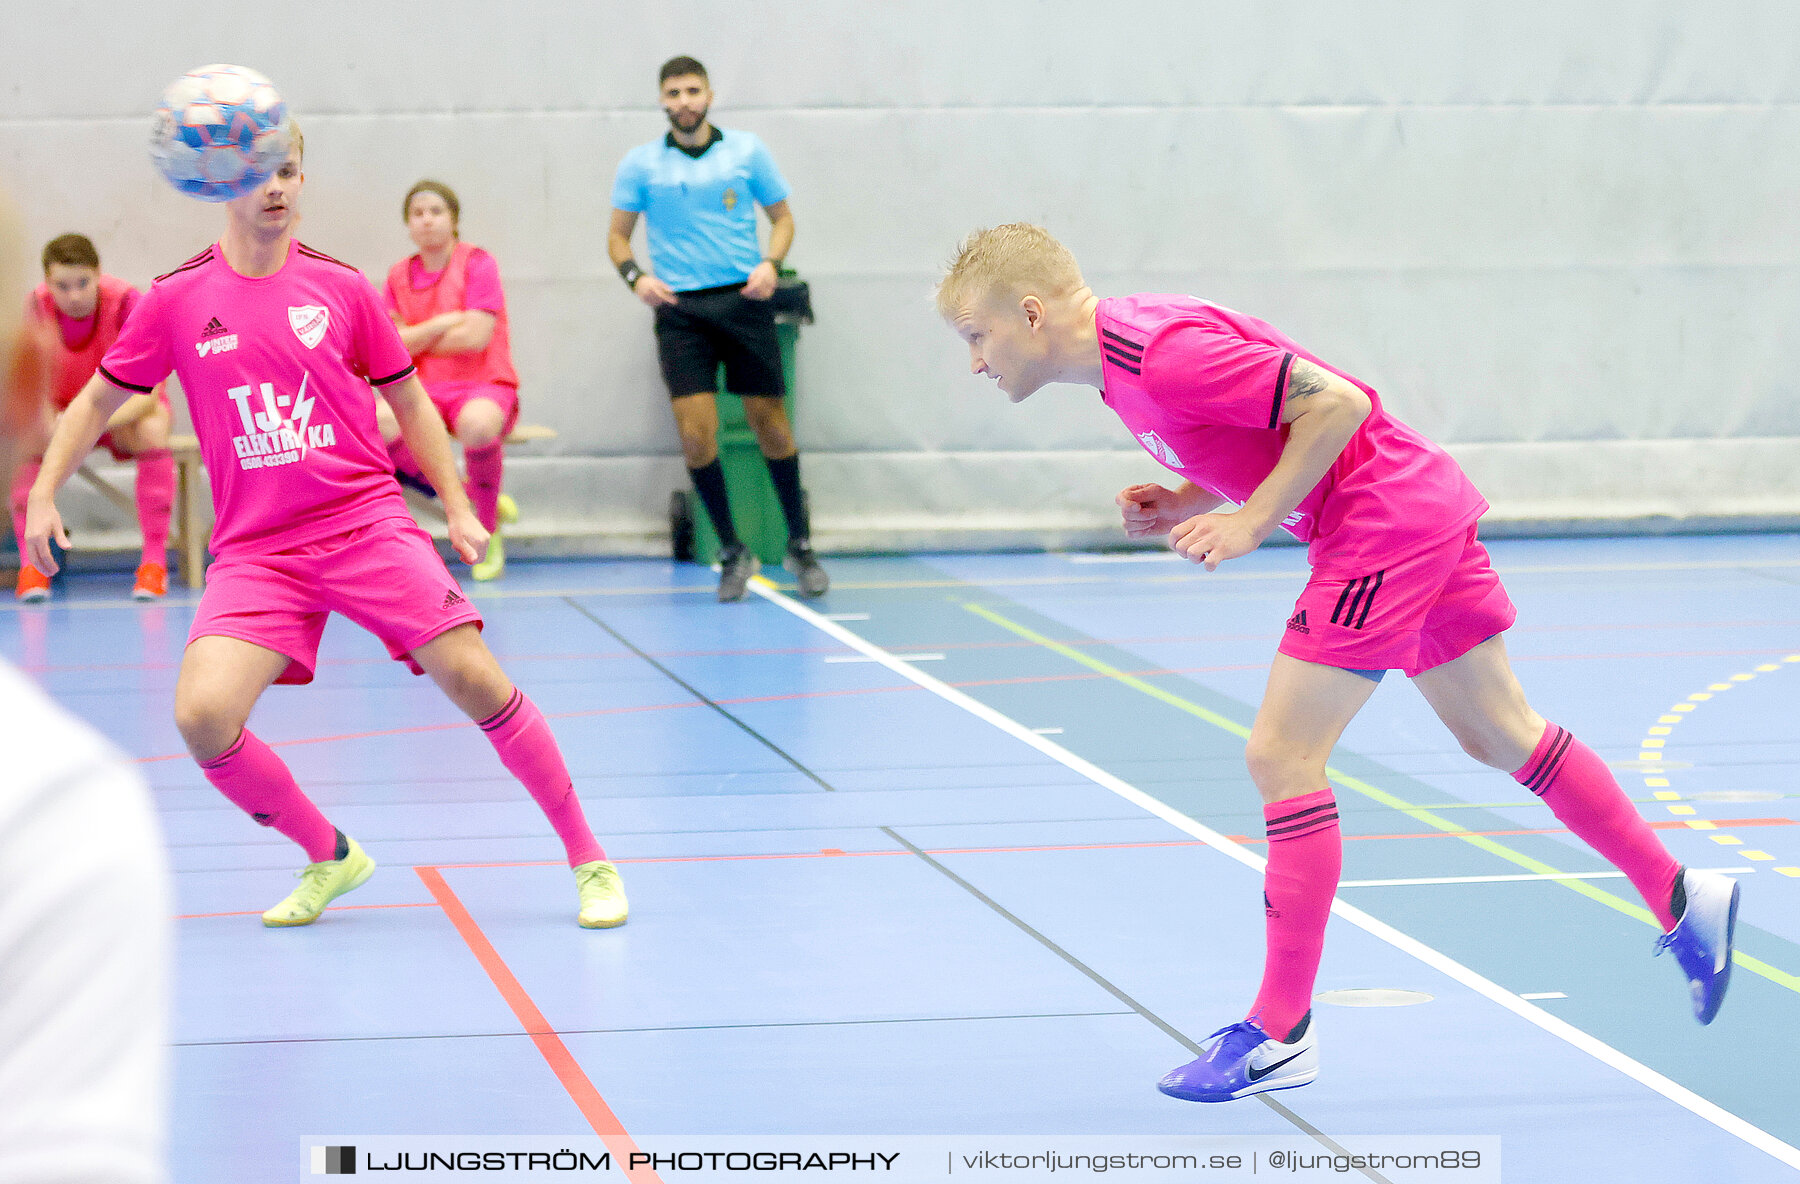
1297,622
452,598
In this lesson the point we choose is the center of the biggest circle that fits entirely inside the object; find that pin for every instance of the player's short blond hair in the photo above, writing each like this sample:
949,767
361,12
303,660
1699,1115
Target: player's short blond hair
1018,258
298,140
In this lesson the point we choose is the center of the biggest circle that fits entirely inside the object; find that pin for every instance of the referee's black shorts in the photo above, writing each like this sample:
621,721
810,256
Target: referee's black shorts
714,325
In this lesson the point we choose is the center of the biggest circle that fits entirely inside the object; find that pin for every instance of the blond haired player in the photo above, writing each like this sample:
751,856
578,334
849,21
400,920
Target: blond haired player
1266,435
310,521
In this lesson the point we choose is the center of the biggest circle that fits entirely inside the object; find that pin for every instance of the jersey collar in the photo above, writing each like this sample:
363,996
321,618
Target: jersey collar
669,141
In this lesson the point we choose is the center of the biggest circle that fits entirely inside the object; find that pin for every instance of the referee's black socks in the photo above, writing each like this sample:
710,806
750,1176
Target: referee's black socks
709,483
785,473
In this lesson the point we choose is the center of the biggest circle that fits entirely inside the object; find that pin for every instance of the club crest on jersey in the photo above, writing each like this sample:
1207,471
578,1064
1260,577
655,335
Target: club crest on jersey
1153,444
309,322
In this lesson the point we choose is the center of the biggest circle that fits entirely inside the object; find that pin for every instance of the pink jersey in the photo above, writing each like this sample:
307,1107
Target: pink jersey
277,373
1201,387
85,341
471,280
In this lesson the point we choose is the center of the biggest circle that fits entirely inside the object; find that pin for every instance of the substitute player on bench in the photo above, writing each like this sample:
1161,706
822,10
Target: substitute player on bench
85,309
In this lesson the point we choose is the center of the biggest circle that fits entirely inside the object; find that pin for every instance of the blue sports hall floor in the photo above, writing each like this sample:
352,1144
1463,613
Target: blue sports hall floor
967,847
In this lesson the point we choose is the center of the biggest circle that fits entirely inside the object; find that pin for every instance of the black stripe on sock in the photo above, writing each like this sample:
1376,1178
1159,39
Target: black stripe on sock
1552,754
1551,764
499,718
1299,829
1299,814
235,747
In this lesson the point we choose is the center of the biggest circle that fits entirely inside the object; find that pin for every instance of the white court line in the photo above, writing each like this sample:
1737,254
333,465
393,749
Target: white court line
1682,1096
1543,995
897,657
1163,556
1730,871
846,616
1048,731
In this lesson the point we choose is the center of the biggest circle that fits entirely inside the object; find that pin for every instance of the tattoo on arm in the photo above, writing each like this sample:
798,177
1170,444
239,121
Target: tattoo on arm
1305,380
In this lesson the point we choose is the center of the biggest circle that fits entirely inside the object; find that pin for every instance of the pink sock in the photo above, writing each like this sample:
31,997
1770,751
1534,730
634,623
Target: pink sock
258,783
521,735
1583,794
155,500
1306,856
21,489
485,465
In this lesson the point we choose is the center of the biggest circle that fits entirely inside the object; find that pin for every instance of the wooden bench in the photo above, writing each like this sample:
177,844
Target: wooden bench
190,536
525,433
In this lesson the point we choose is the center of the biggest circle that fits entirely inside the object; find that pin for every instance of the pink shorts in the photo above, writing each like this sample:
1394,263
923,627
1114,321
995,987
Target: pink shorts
1429,608
450,398
386,577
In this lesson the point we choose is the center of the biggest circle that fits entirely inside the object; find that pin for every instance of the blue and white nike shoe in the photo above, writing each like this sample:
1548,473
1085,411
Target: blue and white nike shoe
1242,1060
1702,938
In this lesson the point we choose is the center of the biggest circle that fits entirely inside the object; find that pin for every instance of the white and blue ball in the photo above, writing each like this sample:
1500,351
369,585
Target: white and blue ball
219,132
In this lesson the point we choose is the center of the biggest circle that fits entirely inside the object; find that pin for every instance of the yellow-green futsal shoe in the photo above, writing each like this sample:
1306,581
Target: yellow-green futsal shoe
602,895
320,884
494,562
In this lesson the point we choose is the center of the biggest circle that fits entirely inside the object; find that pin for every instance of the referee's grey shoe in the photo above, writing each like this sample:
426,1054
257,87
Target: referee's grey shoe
736,565
804,563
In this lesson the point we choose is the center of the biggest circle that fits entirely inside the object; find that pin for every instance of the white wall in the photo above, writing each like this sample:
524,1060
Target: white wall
1563,238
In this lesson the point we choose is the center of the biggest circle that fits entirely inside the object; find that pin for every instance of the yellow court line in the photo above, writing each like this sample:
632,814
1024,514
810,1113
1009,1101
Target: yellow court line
1374,793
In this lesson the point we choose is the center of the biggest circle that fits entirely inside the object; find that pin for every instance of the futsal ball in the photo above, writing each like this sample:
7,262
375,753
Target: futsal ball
219,132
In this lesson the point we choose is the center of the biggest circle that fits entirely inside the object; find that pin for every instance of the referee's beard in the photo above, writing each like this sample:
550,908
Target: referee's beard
688,127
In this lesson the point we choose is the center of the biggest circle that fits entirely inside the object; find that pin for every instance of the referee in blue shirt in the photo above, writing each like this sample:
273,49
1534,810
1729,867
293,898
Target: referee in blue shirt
699,187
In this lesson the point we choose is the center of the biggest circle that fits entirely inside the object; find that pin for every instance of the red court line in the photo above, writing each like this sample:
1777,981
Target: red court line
422,728
41,669
836,853
562,1062
1081,676
839,853
832,694
1669,824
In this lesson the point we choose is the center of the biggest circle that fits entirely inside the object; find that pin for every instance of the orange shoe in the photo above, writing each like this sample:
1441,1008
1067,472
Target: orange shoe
152,582
34,585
